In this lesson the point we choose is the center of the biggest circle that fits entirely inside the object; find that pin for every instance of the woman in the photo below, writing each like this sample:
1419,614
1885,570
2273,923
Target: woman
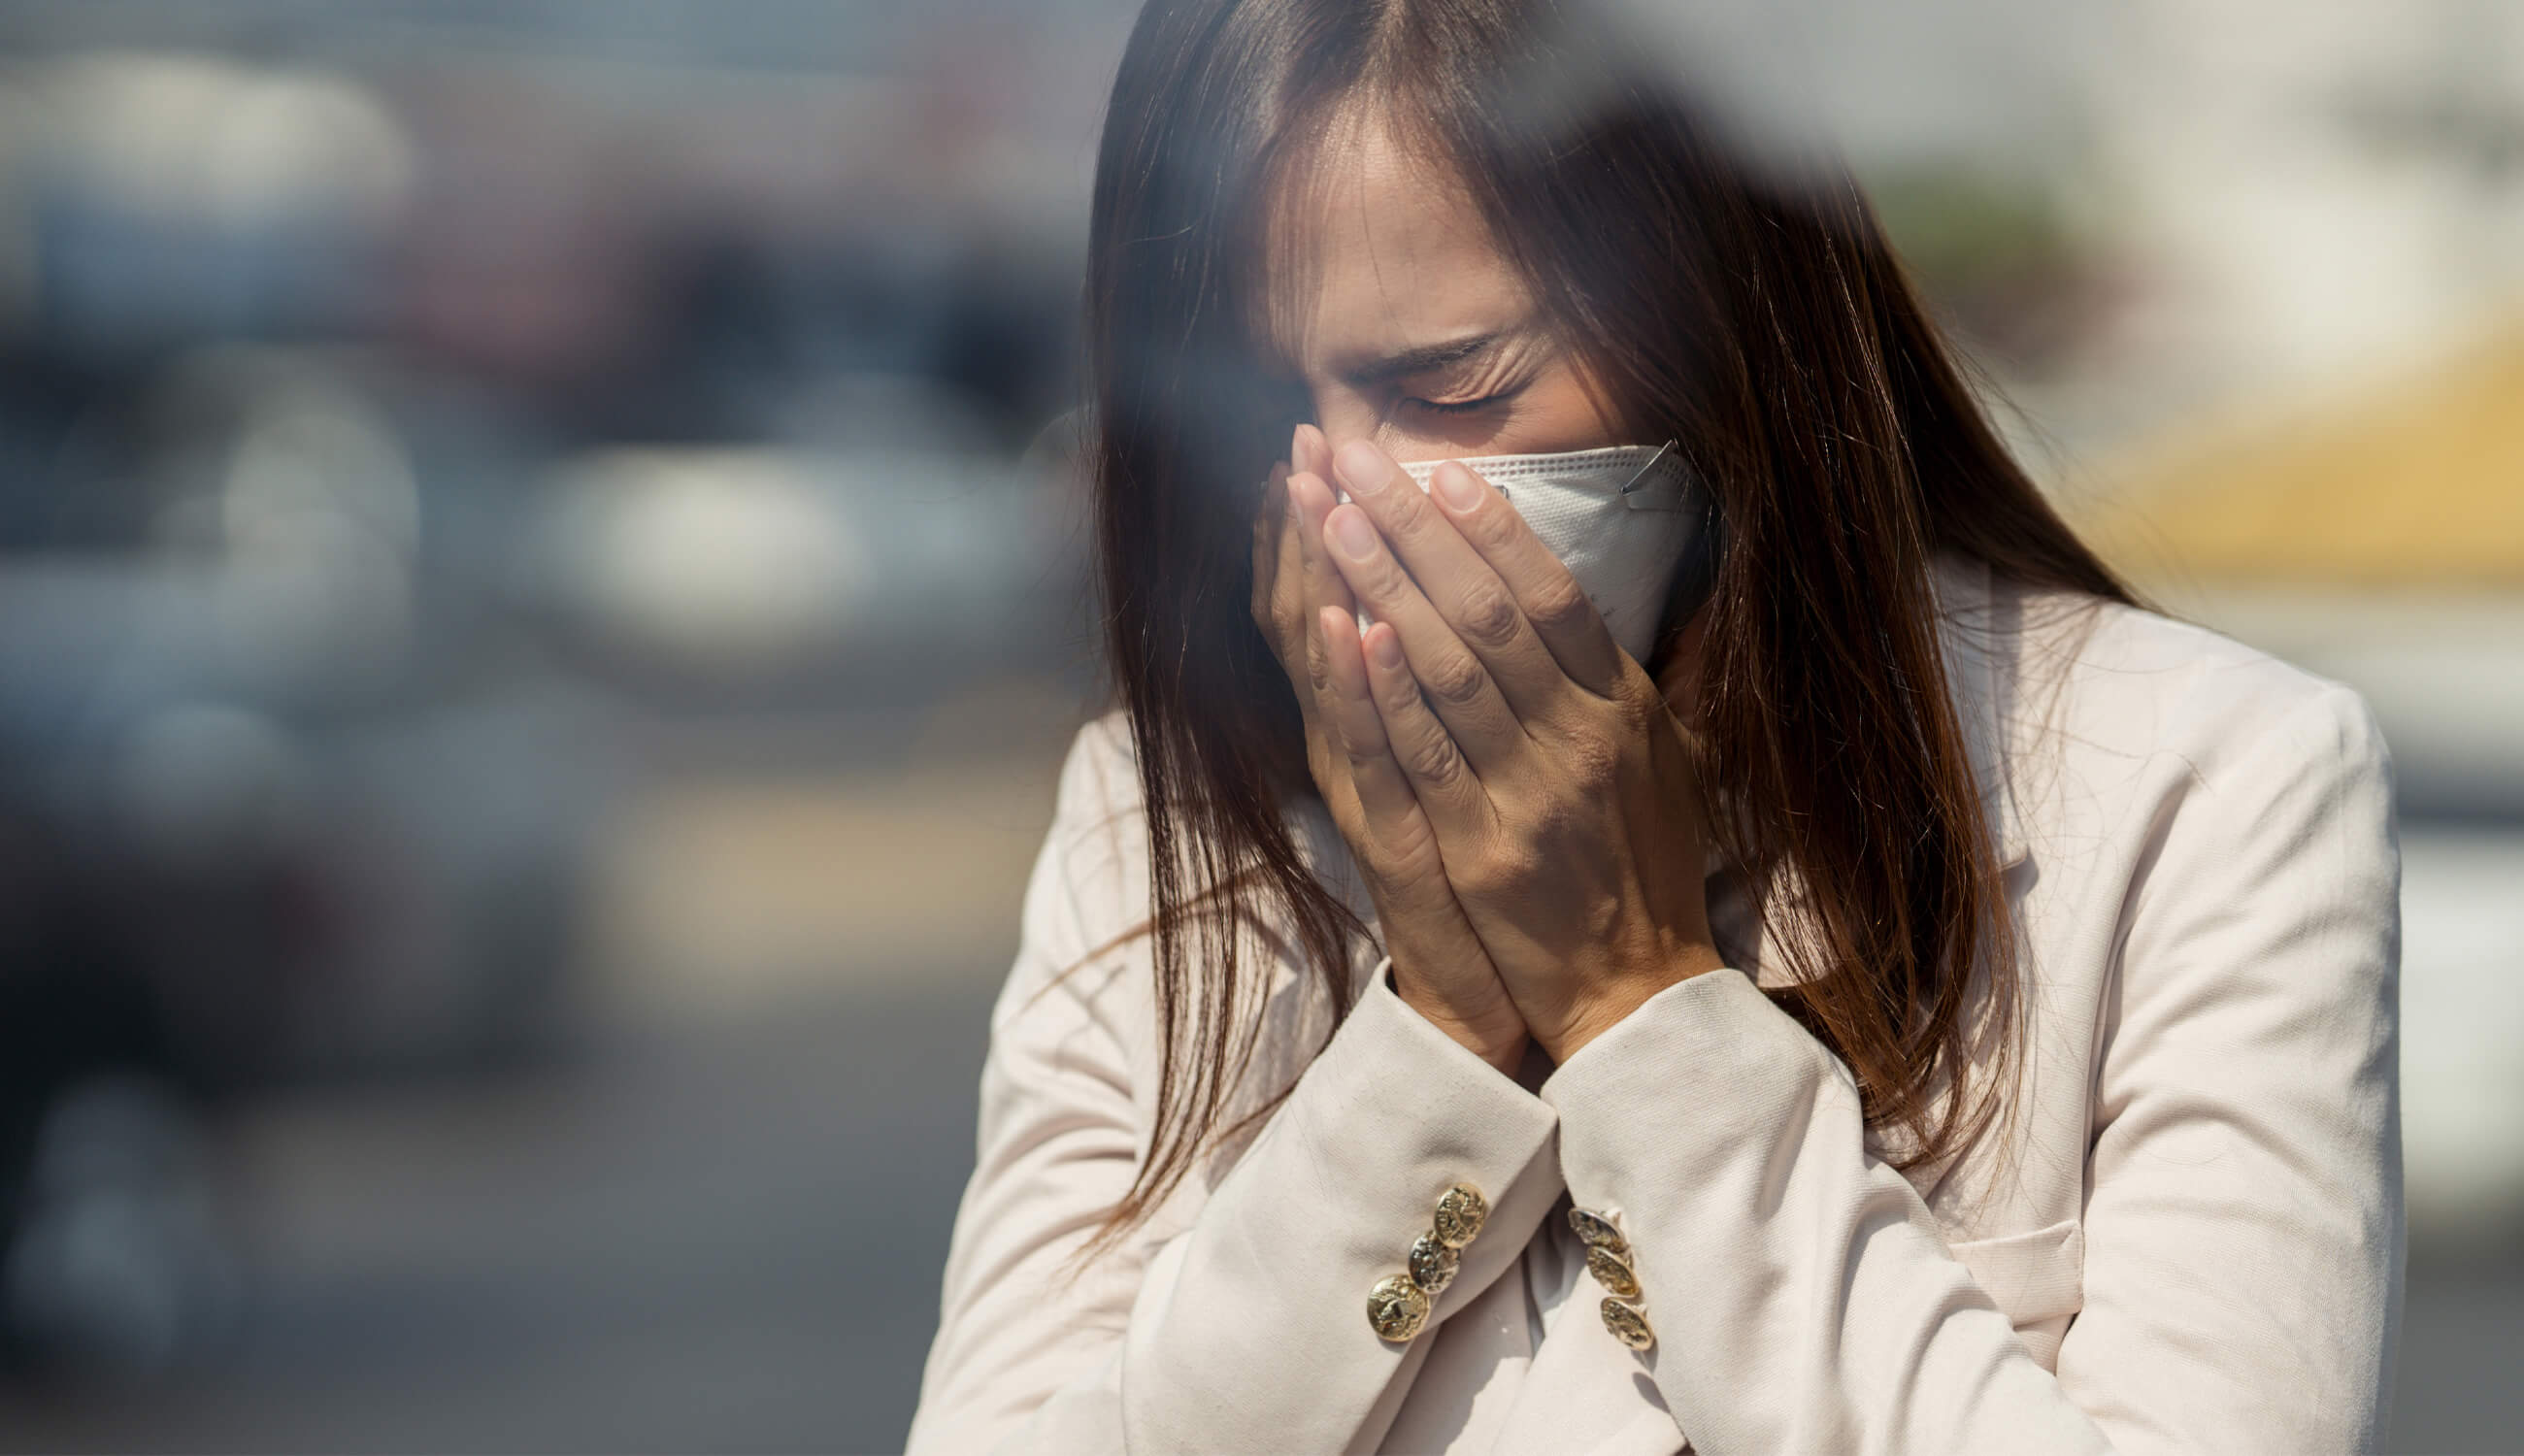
1719,925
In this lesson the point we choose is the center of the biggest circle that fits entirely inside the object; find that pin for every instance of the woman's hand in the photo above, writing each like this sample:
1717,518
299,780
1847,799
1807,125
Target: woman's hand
1439,967
1554,776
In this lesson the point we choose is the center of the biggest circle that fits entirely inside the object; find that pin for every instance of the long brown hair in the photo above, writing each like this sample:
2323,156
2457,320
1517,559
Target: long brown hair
1756,314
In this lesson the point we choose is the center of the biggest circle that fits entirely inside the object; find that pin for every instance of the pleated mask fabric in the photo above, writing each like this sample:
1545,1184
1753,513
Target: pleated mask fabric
1622,519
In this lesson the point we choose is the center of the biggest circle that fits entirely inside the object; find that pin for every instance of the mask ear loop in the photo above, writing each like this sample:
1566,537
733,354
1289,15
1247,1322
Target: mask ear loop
1697,574
1637,494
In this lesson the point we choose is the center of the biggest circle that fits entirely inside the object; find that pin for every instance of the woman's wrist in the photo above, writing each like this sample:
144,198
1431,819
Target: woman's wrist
1502,1047
1614,999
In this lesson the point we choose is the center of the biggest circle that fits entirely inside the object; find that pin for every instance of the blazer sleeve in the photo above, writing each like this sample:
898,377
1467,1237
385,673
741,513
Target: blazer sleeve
2243,1228
1240,1324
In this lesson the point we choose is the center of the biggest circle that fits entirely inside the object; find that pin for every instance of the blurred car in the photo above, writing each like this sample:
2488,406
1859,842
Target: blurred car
874,556
281,797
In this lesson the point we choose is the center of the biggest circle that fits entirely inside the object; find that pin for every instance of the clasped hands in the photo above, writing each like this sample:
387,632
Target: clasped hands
1517,791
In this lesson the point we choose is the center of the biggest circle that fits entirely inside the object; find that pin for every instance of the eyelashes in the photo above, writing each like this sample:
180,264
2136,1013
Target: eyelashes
1455,407
1465,407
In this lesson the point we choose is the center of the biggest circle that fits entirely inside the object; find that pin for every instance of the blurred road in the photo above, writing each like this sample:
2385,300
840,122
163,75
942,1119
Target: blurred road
672,1242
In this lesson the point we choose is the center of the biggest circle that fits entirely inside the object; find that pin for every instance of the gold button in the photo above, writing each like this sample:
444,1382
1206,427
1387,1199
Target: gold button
1598,1232
1460,1212
1611,1273
1396,1308
1433,1264
1627,1325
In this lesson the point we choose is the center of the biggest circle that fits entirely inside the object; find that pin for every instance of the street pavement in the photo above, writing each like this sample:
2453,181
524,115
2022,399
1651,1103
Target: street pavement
726,1236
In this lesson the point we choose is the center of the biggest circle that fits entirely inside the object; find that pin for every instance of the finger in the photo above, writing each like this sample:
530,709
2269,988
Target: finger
1318,583
1398,845
1278,607
1459,688
1550,600
1314,583
1311,455
1441,780
1383,795
1270,531
1427,532
1310,452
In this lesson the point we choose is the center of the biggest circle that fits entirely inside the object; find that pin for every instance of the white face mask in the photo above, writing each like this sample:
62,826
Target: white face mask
1622,519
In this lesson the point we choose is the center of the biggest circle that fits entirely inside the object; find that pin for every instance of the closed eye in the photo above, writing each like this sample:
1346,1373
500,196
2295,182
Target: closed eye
1463,407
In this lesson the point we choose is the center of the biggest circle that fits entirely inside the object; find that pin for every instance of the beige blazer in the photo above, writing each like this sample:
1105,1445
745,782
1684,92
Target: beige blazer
2189,1238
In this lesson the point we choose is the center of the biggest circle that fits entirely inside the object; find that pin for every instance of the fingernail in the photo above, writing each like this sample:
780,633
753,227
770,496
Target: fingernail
1457,487
1361,468
1389,650
1354,536
1300,489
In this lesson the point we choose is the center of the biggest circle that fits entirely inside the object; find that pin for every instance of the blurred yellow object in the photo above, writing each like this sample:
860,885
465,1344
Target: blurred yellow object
2417,482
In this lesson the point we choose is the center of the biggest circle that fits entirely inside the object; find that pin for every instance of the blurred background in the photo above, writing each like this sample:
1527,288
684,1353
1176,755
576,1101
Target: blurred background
536,629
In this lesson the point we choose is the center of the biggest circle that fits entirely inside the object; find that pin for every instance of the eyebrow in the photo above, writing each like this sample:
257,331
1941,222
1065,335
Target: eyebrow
1421,361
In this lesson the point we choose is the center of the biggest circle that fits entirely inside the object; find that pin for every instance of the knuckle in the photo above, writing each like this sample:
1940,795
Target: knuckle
1488,616
1361,757
1329,768
1480,883
1560,604
1405,512
1503,874
1455,680
1383,586
1273,602
1635,701
1433,761
1409,859
1318,667
1492,529
1400,698
1289,634
1553,821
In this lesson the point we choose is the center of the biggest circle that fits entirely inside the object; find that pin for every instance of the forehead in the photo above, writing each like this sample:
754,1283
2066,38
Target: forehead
1373,249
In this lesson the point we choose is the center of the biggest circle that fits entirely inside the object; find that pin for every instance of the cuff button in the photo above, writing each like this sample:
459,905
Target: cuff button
1396,1308
1598,1232
1611,1273
1433,1264
1460,1212
1627,1325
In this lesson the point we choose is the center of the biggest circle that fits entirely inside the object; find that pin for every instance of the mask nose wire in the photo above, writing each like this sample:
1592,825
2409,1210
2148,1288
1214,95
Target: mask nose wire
1634,494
